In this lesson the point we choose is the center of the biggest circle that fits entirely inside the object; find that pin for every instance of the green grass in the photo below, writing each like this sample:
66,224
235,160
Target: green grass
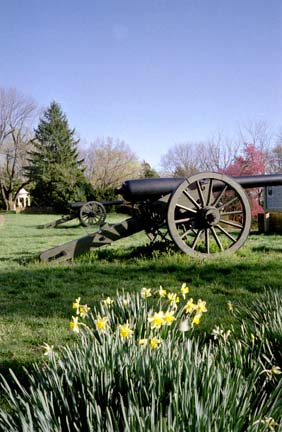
36,298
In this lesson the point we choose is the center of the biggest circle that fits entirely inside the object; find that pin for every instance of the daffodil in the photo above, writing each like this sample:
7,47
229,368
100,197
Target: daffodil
125,331
155,343
196,319
108,301
157,320
74,324
169,317
49,350
190,306
101,323
184,326
76,305
184,290
229,306
143,342
146,292
173,298
83,310
253,338
161,292
201,306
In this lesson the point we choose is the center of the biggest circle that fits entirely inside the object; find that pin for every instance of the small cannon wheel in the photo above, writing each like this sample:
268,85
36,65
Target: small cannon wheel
209,214
92,213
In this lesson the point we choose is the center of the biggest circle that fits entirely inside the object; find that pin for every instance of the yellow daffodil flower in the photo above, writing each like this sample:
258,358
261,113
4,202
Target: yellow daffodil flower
229,306
76,305
155,343
146,292
157,320
83,311
196,319
101,323
169,317
190,306
162,292
125,331
173,298
74,324
108,301
201,306
184,290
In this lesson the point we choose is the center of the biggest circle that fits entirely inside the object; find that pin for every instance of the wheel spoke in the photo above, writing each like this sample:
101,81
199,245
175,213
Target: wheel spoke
218,198
234,212
185,234
231,201
234,224
186,208
207,240
195,241
227,233
210,192
192,199
200,193
182,220
217,239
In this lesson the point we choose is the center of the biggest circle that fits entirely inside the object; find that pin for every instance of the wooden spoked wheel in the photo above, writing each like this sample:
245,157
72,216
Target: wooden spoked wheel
209,214
92,213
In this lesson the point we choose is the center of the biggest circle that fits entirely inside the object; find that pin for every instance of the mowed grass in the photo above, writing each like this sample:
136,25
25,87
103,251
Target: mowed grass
36,298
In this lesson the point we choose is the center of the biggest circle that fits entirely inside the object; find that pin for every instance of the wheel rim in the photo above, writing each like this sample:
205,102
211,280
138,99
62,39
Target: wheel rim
209,214
92,213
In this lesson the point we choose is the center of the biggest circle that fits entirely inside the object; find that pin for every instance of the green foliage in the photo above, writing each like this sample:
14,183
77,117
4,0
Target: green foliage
54,167
107,194
110,382
147,171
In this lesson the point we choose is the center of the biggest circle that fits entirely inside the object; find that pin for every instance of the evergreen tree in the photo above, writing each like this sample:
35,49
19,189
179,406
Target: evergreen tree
54,165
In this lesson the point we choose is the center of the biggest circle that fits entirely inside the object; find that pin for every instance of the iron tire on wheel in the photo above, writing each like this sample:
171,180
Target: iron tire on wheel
92,213
209,215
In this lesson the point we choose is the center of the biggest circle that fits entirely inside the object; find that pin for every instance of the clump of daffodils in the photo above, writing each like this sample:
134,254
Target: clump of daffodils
133,318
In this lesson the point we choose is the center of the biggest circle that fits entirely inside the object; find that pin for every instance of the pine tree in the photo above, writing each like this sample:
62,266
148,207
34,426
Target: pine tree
54,165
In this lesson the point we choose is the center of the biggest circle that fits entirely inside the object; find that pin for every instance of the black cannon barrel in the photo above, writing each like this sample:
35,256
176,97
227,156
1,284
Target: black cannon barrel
140,189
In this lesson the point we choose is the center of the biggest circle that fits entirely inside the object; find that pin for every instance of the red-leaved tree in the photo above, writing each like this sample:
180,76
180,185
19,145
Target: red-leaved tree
251,162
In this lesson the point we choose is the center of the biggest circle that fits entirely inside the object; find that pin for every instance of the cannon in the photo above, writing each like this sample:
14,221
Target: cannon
90,213
205,215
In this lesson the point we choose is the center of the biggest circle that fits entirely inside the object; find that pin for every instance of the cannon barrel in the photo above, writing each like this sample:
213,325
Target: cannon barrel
142,189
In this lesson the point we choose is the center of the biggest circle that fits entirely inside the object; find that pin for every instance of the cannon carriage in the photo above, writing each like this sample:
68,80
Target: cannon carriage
205,215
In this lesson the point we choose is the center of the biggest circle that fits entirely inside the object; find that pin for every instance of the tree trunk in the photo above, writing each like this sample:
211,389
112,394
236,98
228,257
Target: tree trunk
10,203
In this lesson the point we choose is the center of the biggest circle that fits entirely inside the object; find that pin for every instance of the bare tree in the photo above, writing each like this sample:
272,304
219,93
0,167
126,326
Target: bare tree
17,112
189,158
181,160
275,156
217,153
109,163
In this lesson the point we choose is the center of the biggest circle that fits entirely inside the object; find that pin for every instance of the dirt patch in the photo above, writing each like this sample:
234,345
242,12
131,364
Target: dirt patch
2,219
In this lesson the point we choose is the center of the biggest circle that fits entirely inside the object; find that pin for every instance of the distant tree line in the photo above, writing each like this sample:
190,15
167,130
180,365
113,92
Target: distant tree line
38,148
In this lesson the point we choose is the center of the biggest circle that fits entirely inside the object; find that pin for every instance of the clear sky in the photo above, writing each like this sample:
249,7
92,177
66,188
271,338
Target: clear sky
150,72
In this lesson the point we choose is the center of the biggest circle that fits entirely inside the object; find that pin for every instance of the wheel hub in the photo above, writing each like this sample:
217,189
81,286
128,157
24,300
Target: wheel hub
209,216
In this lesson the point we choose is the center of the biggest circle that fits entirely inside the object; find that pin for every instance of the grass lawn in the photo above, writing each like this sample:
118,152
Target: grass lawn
36,299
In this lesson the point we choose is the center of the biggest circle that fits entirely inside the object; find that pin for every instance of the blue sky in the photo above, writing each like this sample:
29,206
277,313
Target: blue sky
153,72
